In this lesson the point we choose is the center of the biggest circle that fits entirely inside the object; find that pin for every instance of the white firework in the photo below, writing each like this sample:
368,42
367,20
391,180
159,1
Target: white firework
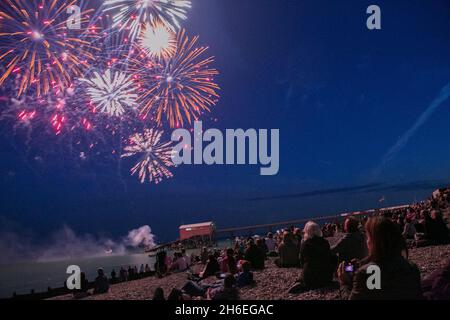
132,14
156,156
111,92
158,41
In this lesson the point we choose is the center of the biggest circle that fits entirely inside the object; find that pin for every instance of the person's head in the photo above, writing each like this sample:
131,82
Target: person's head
287,237
245,266
175,294
435,215
212,258
159,294
351,225
384,239
270,235
100,272
230,252
312,230
183,251
228,282
259,242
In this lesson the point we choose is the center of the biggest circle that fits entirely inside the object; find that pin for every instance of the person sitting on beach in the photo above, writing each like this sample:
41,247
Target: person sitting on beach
316,261
228,262
409,230
297,237
400,278
179,263
353,244
261,244
158,295
101,282
227,291
122,274
161,266
245,277
288,252
147,269
83,291
204,255
271,243
211,268
186,258
436,229
254,255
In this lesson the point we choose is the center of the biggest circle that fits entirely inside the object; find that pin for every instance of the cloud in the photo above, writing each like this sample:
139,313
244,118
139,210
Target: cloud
367,188
319,192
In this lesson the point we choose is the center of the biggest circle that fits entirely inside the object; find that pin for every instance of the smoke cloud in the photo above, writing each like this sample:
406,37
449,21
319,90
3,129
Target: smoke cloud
66,244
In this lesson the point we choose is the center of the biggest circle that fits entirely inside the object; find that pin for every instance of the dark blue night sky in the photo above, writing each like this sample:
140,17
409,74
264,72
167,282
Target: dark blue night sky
341,95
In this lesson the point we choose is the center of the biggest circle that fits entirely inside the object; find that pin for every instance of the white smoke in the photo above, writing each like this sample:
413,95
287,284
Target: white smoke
66,244
140,237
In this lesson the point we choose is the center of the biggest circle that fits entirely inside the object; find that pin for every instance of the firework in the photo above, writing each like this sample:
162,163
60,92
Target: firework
155,156
38,47
158,42
132,14
179,89
60,110
111,92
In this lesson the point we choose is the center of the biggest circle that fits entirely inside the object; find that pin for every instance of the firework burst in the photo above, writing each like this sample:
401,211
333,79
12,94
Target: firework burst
37,45
158,42
111,92
132,14
155,156
179,89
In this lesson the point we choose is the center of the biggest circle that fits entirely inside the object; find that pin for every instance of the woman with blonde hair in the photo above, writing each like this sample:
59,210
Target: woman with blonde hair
316,260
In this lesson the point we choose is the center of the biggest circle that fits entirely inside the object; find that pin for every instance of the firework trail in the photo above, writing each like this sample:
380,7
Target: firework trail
179,89
111,92
37,45
130,15
155,156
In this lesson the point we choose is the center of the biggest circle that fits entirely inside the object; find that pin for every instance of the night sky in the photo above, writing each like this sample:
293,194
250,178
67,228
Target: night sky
341,95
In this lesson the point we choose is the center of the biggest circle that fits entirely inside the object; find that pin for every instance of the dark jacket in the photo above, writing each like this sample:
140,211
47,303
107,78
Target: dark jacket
351,246
400,280
317,263
289,255
436,230
255,256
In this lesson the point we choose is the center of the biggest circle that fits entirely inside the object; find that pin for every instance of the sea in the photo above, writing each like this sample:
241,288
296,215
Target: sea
22,277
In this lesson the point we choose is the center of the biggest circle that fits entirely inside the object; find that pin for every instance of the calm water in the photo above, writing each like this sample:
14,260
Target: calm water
22,277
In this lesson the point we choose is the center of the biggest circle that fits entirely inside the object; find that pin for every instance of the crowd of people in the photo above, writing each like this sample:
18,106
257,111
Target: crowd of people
381,239
360,243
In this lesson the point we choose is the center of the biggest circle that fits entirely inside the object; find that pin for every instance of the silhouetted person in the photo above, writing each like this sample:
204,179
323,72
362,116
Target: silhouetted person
159,295
254,255
101,282
288,253
353,244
